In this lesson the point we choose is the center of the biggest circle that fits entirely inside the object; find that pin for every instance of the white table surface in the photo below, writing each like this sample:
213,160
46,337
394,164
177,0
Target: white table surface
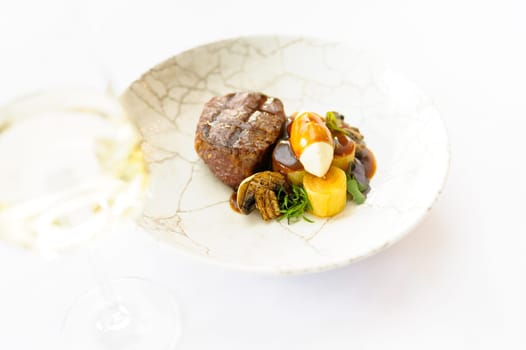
458,281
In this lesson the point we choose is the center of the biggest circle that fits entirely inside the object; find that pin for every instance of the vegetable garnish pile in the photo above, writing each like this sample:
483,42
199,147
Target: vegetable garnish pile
324,163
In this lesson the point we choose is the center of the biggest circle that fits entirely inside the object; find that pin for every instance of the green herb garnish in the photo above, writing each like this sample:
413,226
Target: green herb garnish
354,189
333,122
294,204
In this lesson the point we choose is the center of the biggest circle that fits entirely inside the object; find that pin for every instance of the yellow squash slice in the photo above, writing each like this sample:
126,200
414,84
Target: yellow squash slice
328,194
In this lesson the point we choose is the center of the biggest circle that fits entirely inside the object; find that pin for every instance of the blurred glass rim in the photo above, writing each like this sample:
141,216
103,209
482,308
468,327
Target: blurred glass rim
75,99
35,225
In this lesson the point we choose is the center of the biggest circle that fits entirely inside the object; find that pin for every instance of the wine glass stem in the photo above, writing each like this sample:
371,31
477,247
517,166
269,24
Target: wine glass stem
115,315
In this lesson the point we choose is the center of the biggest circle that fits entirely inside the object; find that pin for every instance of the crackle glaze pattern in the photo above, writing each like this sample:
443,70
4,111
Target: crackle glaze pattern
189,208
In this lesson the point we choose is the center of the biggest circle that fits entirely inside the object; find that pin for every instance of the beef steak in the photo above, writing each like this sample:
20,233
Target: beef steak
236,133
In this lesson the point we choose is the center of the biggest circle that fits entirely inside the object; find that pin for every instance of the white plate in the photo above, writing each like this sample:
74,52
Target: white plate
189,208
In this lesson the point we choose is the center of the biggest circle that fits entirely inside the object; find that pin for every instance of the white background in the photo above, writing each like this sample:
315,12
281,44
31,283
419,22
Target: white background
458,281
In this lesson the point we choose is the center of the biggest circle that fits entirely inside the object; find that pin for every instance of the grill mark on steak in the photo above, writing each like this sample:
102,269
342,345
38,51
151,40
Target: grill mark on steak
236,132
238,118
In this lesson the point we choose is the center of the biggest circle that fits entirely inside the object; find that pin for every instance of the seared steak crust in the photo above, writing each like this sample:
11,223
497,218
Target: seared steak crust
236,133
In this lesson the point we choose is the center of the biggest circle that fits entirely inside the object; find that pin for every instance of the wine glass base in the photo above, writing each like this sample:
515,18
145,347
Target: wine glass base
142,316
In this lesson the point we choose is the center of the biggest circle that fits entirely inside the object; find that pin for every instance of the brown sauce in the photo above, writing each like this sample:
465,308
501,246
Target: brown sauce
343,144
368,160
313,131
233,203
283,158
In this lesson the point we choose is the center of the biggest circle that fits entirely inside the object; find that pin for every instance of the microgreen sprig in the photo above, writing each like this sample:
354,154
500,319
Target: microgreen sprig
333,122
294,204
